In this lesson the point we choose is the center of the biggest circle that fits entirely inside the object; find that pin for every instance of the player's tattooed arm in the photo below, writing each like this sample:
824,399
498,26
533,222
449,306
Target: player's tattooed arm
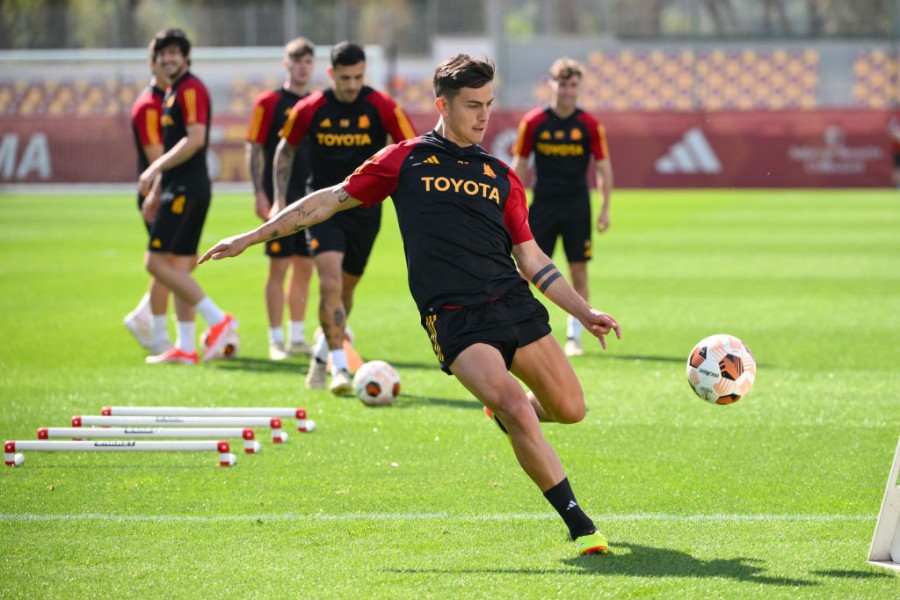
282,167
545,277
311,209
341,194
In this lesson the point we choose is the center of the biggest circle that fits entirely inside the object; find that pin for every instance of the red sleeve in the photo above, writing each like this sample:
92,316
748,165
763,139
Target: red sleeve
598,136
525,138
299,119
261,120
376,179
145,117
194,102
392,116
515,213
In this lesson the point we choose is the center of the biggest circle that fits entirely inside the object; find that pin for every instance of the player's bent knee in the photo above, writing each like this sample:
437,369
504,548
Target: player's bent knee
570,413
516,415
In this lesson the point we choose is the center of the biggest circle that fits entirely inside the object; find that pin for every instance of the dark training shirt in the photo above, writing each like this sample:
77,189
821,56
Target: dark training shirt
460,212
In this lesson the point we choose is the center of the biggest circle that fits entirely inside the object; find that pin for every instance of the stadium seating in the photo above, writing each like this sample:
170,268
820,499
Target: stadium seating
67,97
874,79
651,80
685,80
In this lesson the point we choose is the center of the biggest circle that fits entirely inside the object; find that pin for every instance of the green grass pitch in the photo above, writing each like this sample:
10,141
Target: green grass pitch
773,497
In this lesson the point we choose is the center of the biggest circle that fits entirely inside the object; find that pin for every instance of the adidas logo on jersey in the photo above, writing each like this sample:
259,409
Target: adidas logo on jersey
693,154
432,160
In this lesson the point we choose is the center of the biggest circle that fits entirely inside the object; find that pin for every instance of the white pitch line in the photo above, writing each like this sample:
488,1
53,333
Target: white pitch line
720,518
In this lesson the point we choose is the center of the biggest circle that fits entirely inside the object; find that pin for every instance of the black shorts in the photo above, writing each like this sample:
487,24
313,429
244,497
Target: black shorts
897,159
351,232
288,246
507,323
178,223
569,219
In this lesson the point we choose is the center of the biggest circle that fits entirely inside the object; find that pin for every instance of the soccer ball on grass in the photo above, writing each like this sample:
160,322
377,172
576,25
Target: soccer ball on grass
377,383
229,350
721,369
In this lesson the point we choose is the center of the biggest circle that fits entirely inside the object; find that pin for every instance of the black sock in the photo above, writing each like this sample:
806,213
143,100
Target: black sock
560,496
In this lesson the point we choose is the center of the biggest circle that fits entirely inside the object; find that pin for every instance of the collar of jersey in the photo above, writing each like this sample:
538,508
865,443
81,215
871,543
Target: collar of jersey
455,148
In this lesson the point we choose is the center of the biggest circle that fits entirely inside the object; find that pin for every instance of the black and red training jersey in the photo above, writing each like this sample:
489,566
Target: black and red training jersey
343,135
186,103
270,111
460,212
562,150
146,122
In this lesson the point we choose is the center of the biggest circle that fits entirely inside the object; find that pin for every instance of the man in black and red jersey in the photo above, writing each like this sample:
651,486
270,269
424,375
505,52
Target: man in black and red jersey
146,124
894,133
177,214
464,222
270,111
564,138
345,124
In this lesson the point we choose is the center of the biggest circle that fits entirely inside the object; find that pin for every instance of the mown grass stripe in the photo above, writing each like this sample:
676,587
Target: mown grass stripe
423,517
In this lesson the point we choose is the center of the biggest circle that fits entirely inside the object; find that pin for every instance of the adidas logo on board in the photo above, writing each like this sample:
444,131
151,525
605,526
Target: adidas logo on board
692,154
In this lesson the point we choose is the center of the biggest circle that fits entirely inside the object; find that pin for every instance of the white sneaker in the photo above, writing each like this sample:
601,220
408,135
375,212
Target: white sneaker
300,349
141,327
573,347
276,351
175,356
317,375
160,346
341,383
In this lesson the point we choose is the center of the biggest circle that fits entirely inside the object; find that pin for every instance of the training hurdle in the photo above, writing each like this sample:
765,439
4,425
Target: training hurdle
13,458
278,436
885,548
251,446
304,425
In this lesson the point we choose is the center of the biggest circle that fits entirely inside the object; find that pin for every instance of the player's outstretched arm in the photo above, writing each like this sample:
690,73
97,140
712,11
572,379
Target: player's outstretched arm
309,210
540,270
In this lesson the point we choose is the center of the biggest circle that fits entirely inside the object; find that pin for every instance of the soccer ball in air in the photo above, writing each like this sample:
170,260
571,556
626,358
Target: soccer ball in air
377,383
229,350
721,369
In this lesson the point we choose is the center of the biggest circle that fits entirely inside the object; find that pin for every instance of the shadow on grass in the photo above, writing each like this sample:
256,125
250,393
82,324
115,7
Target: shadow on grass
647,561
644,561
297,364
263,365
845,574
410,401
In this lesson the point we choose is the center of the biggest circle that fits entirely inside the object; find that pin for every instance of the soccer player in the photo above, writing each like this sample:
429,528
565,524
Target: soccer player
894,133
151,332
464,222
345,124
177,214
563,138
270,111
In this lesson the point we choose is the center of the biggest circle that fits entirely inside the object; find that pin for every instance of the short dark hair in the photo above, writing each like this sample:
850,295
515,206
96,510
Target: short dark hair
461,71
347,54
299,47
171,37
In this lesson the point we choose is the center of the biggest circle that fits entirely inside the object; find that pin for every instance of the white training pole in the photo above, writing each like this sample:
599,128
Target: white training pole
303,424
885,548
278,436
251,446
13,458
